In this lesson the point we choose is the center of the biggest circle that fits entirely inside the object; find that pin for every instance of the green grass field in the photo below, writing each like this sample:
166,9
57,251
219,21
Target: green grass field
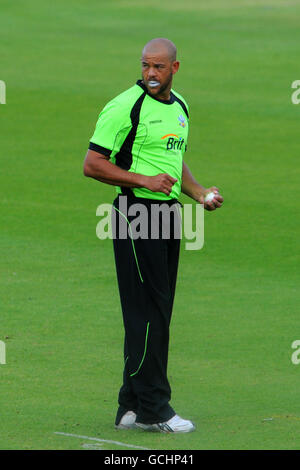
236,312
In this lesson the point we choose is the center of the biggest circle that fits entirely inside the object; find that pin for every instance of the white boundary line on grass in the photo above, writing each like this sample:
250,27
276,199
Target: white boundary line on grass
117,443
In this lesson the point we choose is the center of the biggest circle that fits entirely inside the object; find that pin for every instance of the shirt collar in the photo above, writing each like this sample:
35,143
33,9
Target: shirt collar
170,101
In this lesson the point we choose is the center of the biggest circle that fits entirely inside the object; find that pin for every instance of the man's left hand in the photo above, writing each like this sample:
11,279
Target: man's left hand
215,203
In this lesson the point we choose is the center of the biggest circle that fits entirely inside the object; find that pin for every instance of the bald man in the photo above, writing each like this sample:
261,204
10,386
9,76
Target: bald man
138,146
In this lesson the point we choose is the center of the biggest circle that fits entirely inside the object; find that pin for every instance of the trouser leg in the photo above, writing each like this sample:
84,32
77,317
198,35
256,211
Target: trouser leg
147,280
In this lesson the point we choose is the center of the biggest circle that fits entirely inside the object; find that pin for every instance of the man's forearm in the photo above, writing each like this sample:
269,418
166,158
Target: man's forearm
190,186
106,172
99,167
111,174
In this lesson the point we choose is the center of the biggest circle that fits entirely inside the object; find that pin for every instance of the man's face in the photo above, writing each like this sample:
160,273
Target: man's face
157,73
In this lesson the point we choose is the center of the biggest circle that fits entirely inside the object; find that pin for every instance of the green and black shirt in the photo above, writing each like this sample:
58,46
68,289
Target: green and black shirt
145,135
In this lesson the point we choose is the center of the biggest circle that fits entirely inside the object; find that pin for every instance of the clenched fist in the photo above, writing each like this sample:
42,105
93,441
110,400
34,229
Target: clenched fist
160,183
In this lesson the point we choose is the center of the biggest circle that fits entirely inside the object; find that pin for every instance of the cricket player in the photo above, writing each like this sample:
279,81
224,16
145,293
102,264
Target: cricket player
138,146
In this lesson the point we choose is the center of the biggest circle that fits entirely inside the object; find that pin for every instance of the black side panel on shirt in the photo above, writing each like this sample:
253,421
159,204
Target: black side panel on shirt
124,156
181,104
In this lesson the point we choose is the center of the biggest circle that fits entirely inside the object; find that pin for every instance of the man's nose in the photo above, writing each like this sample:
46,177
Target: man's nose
151,73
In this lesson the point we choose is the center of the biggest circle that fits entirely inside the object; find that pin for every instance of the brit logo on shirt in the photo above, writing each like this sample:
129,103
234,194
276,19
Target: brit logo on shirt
182,121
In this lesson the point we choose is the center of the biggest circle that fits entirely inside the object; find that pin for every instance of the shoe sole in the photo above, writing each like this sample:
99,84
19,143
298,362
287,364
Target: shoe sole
125,426
164,429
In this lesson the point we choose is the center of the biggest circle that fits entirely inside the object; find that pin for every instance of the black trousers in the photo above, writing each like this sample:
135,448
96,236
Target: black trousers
146,273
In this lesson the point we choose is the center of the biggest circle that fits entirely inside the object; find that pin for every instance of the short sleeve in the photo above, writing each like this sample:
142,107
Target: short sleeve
110,128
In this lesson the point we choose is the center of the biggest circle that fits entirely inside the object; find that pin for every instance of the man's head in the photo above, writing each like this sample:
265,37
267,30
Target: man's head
159,64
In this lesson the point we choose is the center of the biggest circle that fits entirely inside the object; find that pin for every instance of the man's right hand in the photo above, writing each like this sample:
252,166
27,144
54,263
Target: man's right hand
160,183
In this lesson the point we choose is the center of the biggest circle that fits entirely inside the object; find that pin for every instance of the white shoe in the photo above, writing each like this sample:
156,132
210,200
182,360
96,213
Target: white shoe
175,424
127,421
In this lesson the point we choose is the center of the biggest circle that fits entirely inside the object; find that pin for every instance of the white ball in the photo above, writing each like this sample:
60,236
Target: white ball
209,197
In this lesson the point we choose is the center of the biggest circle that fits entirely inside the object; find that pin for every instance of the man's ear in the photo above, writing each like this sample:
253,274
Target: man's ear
175,66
